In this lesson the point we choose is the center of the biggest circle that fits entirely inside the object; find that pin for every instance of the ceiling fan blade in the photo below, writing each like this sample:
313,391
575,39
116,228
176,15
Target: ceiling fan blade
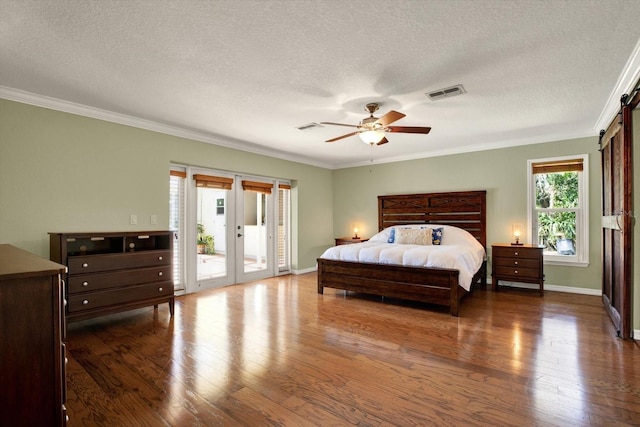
338,124
341,137
384,140
409,129
390,117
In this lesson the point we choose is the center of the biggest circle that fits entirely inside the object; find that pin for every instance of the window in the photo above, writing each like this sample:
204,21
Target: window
177,177
558,213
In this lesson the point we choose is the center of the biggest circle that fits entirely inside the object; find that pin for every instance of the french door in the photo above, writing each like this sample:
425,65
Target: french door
233,229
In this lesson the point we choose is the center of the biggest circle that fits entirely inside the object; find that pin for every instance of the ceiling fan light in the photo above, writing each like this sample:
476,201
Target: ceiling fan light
371,136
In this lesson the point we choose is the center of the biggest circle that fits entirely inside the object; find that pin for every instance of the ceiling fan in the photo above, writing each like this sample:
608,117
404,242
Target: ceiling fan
372,130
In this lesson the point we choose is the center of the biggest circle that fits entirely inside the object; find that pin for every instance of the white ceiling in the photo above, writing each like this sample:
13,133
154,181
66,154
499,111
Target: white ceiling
247,73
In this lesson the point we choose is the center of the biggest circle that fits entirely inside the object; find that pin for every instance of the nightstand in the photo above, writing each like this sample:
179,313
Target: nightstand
522,263
348,240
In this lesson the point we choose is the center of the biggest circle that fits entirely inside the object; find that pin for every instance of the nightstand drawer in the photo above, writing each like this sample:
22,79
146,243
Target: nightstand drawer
517,273
516,262
515,252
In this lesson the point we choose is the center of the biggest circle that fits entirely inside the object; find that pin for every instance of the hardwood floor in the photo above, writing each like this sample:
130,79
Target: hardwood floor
274,352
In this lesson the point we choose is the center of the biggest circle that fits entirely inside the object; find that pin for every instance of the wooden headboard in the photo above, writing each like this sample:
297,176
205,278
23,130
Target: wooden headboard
462,209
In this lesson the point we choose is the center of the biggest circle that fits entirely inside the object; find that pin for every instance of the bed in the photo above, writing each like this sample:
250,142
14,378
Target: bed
429,284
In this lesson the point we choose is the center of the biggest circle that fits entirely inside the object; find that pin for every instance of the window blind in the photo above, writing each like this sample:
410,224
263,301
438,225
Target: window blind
260,187
571,165
176,221
209,181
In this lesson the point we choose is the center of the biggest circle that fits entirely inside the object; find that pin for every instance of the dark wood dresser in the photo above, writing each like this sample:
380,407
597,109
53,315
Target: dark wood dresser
32,334
113,272
521,263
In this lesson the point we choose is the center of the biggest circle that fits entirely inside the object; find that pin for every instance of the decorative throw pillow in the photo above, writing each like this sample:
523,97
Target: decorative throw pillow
392,236
412,236
437,236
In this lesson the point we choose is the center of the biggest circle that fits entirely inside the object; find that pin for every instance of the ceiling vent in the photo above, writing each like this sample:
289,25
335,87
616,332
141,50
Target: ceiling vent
446,92
310,126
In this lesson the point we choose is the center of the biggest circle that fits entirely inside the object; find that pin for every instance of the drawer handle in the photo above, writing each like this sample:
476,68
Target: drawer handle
159,258
85,301
516,262
160,273
516,253
159,289
85,265
85,283
65,302
516,272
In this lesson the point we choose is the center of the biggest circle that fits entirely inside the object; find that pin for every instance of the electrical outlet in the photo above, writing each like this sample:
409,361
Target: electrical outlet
154,219
133,219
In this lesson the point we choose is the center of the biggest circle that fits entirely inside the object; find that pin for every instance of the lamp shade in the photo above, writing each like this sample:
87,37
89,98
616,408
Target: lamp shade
371,136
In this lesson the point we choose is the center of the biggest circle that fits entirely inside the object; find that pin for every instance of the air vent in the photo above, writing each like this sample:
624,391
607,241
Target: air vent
446,92
310,126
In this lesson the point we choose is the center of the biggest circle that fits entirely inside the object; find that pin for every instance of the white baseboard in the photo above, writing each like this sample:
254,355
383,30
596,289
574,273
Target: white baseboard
306,270
555,288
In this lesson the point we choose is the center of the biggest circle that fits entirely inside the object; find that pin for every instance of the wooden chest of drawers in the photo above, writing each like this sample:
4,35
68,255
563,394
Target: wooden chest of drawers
522,263
32,340
112,272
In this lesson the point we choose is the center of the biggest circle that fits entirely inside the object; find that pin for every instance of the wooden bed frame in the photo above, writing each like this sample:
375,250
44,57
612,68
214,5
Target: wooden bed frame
466,210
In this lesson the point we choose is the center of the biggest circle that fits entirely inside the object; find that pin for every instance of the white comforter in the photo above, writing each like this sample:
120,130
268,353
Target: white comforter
459,250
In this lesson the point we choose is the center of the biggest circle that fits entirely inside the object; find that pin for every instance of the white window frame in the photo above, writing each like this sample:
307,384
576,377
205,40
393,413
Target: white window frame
581,258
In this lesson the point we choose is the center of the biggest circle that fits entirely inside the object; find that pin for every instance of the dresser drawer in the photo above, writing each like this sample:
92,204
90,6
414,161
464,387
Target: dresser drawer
517,273
99,281
516,252
99,299
107,262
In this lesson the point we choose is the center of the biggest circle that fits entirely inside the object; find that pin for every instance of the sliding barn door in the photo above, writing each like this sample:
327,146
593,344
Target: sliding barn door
616,221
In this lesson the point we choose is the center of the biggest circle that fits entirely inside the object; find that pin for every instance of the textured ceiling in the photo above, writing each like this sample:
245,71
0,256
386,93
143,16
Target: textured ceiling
247,73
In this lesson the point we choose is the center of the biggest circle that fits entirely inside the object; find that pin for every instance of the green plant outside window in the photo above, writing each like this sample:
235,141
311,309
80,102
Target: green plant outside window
557,200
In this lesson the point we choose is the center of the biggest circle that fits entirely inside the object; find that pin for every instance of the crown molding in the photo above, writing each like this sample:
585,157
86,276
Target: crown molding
30,98
586,133
629,76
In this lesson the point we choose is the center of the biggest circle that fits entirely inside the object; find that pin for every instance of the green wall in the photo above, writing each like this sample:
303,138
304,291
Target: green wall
502,172
63,172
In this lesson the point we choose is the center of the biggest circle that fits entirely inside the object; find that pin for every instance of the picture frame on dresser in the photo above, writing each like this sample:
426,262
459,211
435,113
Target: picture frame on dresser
110,272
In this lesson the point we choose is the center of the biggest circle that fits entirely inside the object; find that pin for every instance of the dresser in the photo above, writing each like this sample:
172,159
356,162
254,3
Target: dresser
32,334
521,263
114,272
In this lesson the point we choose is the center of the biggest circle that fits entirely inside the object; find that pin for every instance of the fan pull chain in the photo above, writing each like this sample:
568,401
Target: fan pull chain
371,159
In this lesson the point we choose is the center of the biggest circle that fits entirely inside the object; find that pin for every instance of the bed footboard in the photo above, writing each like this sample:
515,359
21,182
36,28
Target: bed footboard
430,285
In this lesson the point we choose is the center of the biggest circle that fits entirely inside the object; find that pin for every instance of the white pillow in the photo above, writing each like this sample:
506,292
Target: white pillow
413,236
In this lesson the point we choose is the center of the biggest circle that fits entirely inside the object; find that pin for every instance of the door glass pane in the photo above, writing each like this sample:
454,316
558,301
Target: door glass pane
255,231
176,209
283,229
211,223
